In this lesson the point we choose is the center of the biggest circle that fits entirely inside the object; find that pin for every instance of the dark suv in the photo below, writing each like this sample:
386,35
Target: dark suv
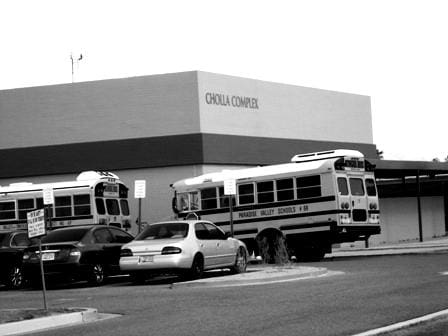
12,245
89,252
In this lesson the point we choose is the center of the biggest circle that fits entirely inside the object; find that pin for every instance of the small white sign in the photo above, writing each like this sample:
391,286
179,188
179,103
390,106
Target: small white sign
36,223
230,187
48,196
140,189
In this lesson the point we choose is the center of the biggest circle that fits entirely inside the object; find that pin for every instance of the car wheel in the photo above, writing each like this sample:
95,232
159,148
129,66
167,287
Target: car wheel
240,261
97,275
197,268
15,278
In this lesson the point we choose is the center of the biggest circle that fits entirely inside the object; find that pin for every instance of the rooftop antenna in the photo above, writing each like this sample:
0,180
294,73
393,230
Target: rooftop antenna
77,64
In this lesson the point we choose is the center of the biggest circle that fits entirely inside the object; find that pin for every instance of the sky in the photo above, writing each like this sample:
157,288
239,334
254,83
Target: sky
394,51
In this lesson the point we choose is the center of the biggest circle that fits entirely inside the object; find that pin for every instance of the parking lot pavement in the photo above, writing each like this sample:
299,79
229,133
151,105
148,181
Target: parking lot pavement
255,275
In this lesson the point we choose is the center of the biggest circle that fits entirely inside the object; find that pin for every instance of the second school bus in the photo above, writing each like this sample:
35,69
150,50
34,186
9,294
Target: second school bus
316,200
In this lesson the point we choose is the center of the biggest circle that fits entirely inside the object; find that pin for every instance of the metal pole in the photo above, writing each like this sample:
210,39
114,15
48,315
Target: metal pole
50,209
419,208
139,215
231,214
71,58
44,290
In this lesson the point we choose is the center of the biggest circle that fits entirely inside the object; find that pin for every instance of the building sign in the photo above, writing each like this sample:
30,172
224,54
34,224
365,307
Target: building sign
212,98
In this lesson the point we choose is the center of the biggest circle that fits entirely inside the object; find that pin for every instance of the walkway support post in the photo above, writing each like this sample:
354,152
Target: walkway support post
419,207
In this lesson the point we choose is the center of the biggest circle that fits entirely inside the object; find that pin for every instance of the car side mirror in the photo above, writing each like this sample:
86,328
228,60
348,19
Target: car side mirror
228,235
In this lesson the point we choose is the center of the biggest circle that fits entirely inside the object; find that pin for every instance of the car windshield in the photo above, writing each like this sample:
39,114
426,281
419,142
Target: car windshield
164,231
63,235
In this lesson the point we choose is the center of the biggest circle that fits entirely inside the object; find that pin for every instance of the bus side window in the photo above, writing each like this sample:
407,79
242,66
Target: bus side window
8,210
246,193
81,204
182,202
356,186
63,206
194,200
308,186
370,187
224,199
265,191
39,203
343,186
25,206
285,189
100,206
208,199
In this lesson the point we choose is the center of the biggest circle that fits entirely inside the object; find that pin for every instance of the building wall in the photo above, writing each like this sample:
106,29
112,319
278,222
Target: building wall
127,108
281,111
399,219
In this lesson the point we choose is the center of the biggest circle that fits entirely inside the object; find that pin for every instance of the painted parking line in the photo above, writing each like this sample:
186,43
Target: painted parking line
405,324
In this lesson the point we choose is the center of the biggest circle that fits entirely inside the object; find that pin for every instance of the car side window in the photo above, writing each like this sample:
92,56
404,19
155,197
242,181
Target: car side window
120,236
214,232
103,236
20,240
201,231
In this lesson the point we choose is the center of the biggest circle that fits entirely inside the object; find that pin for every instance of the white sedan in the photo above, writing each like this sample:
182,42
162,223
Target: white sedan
186,247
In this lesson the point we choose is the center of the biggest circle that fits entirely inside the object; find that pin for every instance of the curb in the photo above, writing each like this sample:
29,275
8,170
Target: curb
388,251
405,324
54,321
244,280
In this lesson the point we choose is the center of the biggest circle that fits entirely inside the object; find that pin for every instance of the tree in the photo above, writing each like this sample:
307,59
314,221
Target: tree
380,154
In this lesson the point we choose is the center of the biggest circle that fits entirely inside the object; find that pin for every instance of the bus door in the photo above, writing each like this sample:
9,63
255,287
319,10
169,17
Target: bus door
358,198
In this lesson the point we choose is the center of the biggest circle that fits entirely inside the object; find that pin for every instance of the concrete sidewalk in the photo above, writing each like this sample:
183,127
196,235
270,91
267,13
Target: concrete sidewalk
414,247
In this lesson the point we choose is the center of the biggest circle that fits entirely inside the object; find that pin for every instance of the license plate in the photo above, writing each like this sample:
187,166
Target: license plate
47,256
145,259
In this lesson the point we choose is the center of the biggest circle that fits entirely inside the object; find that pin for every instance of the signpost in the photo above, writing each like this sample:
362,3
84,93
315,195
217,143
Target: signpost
48,202
36,229
140,192
230,190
